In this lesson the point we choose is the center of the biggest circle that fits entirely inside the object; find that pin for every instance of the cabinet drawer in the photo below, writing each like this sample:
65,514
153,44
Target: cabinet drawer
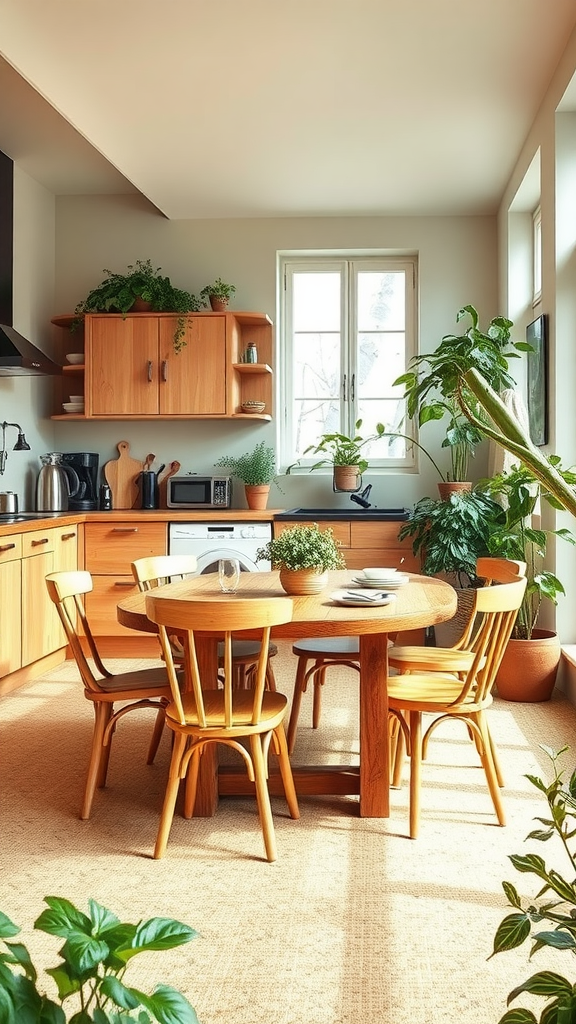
38,542
101,604
10,547
340,529
110,548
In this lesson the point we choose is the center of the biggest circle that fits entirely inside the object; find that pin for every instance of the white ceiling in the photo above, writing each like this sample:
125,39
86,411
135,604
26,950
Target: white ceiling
263,108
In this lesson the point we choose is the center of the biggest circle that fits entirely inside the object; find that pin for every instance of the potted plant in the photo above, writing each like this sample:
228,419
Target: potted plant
256,469
528,670
142,288
554,917
344,453
96,951
218,295
432,382
303,554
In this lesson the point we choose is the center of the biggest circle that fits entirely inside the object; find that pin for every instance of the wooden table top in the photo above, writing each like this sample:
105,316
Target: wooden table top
424,601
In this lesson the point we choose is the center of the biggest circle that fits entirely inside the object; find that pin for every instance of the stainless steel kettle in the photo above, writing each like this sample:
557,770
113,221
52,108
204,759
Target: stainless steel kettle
57,483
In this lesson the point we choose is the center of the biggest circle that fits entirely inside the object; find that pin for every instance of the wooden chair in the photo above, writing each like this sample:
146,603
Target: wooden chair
147,688
199,717
323,652
156,570
445,695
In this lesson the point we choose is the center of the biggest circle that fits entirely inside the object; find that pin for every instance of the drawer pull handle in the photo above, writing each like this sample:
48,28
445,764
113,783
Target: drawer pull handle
43,541
149,371
7,547
68,536
125,529
125,583
164,369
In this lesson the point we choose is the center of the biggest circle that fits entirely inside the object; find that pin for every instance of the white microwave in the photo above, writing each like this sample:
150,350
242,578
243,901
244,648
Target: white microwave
194,491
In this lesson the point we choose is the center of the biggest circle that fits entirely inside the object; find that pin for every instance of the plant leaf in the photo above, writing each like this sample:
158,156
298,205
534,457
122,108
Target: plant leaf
168,1006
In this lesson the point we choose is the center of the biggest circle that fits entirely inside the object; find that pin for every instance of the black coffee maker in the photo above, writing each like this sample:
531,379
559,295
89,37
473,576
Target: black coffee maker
86,466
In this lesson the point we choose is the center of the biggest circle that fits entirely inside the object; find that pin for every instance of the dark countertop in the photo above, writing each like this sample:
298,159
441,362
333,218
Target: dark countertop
345,514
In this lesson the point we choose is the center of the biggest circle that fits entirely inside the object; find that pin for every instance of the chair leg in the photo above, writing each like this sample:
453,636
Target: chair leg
192,782
415,771
299,688
270,677
318,682
156,735
99,755
496,760
170,796
263,797
490,770
286,773
397,752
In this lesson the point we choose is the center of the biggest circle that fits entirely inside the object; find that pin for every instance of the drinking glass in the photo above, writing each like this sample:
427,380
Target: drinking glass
228,574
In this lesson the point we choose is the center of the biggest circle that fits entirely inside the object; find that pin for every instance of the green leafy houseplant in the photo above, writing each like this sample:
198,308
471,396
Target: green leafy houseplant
93,959
555,917
342,449
433,380
255,468
516,538
118,292
449,536
218,290
303,547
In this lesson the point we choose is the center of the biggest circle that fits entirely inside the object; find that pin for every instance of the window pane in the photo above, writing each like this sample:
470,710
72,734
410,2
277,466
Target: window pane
316,301
381,359
311,419
391,414
381,301
316,365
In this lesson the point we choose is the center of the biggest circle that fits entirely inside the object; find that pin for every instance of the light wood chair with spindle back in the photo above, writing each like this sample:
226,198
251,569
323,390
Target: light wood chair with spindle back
147,688
200,716
446,696
155,570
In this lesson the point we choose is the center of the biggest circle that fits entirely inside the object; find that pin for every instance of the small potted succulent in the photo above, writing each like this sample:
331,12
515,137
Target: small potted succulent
303,554
141,289
218,295
256,469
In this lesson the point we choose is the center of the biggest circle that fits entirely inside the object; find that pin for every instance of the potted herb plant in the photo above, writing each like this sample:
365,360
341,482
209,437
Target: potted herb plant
344,453
554,916
218,295
142,288
528,670
256,469
96,951
303,554
433,380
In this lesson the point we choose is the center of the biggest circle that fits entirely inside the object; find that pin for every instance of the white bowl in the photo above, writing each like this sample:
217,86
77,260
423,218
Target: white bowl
73,406
379,574
77,399
75,358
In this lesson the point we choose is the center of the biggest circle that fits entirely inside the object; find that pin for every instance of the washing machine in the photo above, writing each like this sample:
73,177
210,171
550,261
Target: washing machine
212,541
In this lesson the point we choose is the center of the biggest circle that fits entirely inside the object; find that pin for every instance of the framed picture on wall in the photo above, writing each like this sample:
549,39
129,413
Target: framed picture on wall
537,337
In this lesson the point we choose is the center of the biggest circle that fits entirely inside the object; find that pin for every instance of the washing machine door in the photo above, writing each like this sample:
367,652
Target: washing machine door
208,561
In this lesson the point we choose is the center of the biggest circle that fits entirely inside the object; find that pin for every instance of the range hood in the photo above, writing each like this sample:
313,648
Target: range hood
18,356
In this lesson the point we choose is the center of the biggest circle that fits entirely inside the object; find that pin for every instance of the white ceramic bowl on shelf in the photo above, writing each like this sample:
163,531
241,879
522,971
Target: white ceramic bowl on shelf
75,358
77,399
73,407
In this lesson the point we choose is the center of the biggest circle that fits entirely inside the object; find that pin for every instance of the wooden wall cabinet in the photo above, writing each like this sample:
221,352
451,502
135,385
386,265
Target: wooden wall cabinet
131,368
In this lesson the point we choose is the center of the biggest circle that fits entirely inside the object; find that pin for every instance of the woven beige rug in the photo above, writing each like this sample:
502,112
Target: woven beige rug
354,924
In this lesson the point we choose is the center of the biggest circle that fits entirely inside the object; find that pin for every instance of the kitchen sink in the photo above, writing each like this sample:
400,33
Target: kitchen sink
21,517
372,514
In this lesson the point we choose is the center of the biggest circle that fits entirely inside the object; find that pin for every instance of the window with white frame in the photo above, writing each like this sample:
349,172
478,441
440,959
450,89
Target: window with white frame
347,331
537,256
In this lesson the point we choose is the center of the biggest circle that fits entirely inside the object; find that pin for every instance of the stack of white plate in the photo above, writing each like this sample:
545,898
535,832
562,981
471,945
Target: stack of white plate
381,578
73,407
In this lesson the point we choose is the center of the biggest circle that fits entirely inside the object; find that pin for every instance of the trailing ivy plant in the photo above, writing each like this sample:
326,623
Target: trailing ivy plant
89,977
555,916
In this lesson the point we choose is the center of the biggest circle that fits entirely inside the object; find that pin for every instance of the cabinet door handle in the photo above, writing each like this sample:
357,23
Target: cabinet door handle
149,371
125,529
43,541
125,583
68,536
164,369
7,547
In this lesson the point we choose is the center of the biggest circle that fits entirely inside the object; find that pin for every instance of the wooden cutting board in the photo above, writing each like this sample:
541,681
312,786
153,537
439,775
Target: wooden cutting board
173,468
121,474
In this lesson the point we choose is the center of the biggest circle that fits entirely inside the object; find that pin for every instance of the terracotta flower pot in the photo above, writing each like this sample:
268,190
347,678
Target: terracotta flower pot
445,489
303,581
528,669
257,496
218,305
347,478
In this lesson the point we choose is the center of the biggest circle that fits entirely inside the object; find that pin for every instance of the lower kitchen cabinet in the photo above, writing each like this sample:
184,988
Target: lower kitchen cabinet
109,550
44,551
10,604
366,543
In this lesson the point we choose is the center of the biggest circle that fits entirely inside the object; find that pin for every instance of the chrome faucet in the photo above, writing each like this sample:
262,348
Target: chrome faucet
362,498
20,446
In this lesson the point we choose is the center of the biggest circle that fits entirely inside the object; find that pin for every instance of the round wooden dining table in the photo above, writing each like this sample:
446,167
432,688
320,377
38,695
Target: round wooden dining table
422,602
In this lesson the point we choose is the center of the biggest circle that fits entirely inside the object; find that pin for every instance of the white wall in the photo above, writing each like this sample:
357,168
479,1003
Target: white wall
28,400
457,266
